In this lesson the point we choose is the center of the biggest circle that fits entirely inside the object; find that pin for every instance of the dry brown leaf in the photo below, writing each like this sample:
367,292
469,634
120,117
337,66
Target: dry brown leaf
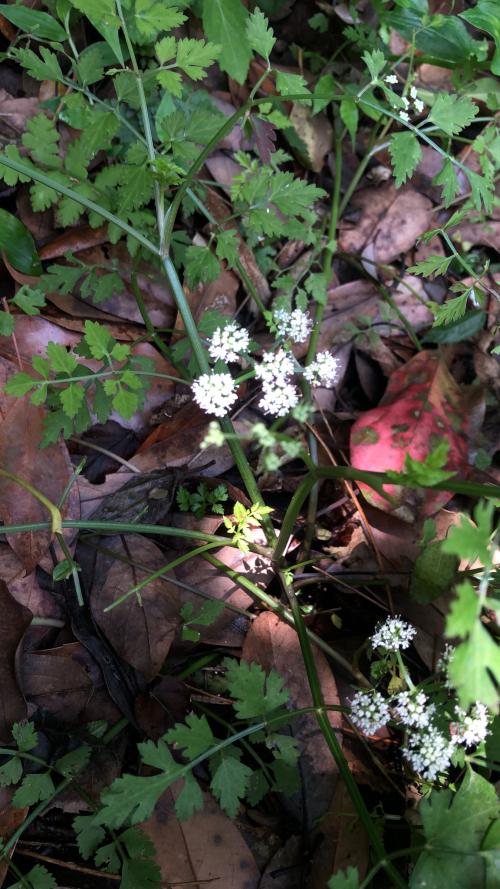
15,111
10,820
391,220
344,842
205,850
316,133
274,645
141,630
14,621
57,680
47,470
218,296
24,588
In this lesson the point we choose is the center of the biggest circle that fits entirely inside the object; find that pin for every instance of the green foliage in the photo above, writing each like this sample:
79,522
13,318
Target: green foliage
259,35
455,827
431,265
424,472
348,879
475,666
405,154
255,694
244,522
37,878
452,113
203,500
224,21
204,617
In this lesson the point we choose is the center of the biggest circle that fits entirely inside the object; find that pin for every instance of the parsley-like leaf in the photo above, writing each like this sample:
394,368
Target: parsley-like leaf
452,113
255,694
406,153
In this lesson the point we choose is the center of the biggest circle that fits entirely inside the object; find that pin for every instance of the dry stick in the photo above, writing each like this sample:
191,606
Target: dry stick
68,864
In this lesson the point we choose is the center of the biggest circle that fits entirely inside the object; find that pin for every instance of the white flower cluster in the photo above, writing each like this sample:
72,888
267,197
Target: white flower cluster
227,343
393,634
428,752
323,371
413,710
296,325
279,395
215,393
472,728
369,711
417,103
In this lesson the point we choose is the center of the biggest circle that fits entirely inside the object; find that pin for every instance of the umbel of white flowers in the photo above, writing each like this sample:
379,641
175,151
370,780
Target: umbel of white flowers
215,392
428,750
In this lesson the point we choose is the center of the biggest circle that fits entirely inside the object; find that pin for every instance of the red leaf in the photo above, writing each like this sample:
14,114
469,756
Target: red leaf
422,406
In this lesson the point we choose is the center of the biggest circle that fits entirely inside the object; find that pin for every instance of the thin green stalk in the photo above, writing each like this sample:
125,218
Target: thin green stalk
273,605
74,569
55,514
190,554
335,748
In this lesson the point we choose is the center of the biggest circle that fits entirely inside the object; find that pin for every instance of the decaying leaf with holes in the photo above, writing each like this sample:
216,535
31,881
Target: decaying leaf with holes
423,410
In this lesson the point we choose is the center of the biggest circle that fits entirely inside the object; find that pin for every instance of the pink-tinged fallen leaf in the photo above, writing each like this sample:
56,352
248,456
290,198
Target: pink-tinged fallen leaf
14,621
422,407
142,628
206,850
25,589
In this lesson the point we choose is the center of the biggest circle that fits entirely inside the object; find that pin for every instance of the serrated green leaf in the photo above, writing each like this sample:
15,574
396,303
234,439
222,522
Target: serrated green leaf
227,246
195,56
33,789
452,113
193,737
406,153
54,423
71,399
482,191
25,736
11,177
452,310
11,771
229,784
30,300
454,826
448,180
42,141
260,36
431,265
464,611
375,62
45,68
289,84
190,799
201,266
97,339
348,879
166,49
457,331
140,874
256,695
60,360
19,384
224,23
171,81
153,16
37,878
88,834
133,798
102,15
472,540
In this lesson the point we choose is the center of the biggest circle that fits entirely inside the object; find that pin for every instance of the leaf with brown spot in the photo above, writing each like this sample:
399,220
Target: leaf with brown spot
14,621
141,630
205,850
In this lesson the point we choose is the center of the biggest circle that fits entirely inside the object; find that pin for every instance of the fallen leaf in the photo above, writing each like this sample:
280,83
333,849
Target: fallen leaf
24,588
10,820
388,219
275,645
82,237
142,628
316,132
204,850
422,407
344,841
47,470
14,621
56,680
15,111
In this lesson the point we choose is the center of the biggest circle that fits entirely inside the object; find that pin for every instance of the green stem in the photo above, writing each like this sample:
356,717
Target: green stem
55,515
333,744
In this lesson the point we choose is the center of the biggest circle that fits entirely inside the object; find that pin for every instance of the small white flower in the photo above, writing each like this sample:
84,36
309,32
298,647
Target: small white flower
413,92
323,371
275,369
472,728
214,393
394,634
296,325
413,709
369,711
227,343
279,400
419,105
404,115
391,78
428,752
